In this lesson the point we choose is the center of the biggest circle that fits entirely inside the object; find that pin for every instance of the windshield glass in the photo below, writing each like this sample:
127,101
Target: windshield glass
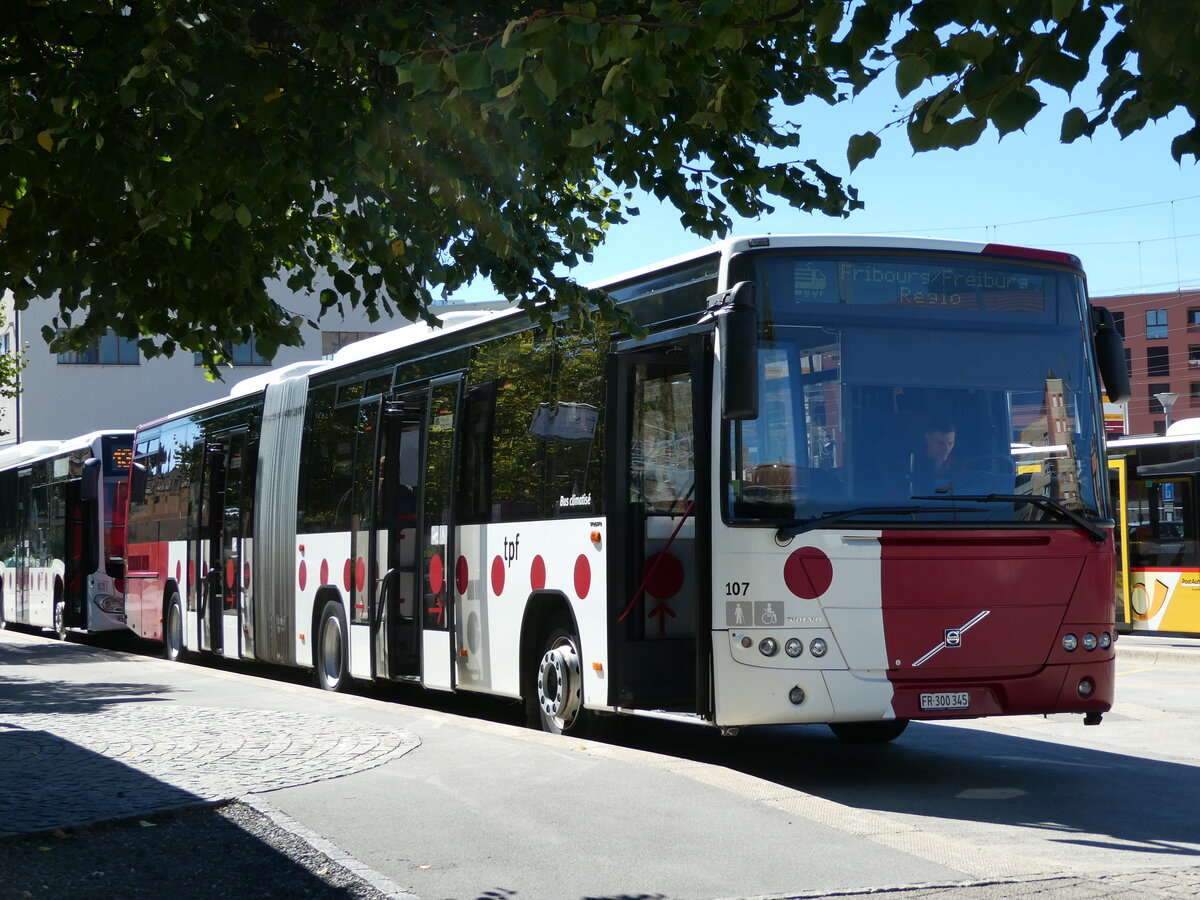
901,381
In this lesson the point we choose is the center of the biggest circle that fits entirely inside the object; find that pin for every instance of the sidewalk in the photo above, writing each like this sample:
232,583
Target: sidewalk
1157,650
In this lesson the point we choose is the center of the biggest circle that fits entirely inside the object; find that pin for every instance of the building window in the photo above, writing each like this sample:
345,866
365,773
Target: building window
1194,393
108,350
1156,408
240,354
333,341
1119,321
1193,320
1158,363
1156,324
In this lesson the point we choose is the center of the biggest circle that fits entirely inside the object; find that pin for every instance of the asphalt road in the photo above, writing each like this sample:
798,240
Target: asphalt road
366,797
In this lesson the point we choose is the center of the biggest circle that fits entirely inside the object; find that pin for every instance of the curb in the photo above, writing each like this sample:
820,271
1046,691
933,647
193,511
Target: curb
1148,656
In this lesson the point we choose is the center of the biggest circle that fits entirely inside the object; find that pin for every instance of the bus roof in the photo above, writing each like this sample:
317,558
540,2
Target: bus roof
29,451
734,245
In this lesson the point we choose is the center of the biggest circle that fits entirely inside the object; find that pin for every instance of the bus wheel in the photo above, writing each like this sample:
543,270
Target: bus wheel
173,631
60,618
870,732
331,648
558,683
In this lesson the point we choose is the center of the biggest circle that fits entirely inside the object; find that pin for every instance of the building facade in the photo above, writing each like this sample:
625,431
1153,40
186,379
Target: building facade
112,385
1162,347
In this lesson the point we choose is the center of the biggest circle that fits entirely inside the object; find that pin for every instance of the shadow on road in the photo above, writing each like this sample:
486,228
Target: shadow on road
963,774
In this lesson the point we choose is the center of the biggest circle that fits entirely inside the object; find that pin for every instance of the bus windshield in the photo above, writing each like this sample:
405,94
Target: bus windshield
891,382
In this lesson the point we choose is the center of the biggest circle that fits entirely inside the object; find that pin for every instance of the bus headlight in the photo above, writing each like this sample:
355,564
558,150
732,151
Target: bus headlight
1105,641
1086,687
794,647
818,647
1089,641
768,646
1070,642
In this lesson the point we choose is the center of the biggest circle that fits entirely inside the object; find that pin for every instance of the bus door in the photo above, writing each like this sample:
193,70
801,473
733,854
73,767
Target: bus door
80,556
394,540
658,611
413,540
221,553
24,548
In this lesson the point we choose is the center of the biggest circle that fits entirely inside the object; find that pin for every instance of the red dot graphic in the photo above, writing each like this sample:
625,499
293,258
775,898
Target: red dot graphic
324,571
360,574
537,573
302,575
178,570
808,573
461,575
347,576
663,576
497,576
583,576
437,574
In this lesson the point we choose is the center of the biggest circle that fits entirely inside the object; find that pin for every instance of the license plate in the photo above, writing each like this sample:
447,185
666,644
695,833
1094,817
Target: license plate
946,700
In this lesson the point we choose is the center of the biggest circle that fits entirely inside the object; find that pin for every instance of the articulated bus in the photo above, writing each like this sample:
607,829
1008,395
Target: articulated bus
62,532
1155,479
725,522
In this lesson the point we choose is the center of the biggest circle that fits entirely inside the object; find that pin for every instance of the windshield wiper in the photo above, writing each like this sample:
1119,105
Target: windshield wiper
1095,532
799,527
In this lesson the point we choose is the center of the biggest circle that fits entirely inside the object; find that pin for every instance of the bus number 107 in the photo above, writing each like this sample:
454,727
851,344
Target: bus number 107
737,588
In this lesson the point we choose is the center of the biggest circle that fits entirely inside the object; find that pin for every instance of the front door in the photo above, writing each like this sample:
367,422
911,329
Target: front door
658,613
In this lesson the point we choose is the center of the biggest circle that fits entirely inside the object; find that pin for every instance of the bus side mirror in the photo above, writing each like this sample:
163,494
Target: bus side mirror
736,312
1110,355
89,485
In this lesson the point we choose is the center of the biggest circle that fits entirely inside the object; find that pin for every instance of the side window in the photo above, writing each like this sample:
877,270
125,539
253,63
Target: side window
572,428
521,366
326,464
1161,532
474,496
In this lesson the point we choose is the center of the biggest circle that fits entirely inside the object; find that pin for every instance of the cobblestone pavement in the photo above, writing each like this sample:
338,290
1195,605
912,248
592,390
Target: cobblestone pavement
63,770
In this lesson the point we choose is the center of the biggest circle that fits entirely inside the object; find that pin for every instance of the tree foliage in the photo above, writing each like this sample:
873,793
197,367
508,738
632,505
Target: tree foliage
163,161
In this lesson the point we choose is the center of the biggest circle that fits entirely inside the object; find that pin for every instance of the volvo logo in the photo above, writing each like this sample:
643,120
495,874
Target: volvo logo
952,638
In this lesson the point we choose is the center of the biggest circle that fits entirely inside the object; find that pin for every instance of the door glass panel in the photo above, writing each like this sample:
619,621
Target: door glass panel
439,569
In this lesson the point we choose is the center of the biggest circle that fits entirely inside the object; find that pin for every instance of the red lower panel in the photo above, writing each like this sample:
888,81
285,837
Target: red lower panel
1053,689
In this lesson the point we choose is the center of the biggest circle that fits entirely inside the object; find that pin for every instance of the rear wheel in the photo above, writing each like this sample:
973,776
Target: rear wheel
556,701
173,648
332,674
870,732
60,616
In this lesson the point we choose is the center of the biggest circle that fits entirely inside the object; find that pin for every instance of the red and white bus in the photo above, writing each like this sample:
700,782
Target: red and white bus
62,532
728,521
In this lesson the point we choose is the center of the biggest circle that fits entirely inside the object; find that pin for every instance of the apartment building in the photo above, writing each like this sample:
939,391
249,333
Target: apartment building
1162,346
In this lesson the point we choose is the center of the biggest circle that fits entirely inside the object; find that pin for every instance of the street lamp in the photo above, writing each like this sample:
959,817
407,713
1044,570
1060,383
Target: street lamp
1167,399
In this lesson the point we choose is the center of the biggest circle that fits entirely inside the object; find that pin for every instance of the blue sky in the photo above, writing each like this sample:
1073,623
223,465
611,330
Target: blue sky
1126,208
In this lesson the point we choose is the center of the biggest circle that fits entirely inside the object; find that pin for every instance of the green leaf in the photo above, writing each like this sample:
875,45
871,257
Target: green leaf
243,216
1074,125
911,72
862,146
1014,111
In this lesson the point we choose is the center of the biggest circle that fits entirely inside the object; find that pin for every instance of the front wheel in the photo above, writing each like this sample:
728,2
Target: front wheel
869,732
173,648
556,701
332,674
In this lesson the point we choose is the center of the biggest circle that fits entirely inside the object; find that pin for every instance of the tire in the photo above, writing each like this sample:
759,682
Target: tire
332,674
173,648
555,703
869,732
60,616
